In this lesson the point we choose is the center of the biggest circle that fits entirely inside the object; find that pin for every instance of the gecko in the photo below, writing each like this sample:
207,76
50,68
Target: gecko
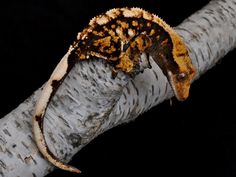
119,36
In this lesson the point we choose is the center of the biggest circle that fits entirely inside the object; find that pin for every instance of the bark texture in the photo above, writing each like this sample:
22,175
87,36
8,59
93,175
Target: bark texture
90,102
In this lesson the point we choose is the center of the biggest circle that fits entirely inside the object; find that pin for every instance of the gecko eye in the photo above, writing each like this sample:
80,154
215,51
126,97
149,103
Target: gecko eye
181,76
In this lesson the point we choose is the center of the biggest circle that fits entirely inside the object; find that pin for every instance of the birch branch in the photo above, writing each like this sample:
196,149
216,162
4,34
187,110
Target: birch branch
90,102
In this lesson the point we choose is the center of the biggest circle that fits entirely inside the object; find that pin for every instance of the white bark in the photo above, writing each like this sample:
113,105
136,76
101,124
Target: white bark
90,102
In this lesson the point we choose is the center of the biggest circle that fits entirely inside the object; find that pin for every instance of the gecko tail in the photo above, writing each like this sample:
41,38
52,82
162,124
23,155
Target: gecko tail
47,154
48,91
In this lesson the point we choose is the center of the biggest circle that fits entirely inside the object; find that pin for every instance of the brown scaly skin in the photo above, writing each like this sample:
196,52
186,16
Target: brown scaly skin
120,36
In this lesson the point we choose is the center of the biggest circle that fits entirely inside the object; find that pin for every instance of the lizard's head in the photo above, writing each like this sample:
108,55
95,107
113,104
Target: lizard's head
180,83
181,78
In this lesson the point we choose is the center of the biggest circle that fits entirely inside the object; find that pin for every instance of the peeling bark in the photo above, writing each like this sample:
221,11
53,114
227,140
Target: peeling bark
90,102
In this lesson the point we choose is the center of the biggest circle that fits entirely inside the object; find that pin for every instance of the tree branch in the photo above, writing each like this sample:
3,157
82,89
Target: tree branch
90,102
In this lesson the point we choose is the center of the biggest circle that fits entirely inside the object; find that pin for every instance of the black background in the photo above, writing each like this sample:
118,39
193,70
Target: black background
192,138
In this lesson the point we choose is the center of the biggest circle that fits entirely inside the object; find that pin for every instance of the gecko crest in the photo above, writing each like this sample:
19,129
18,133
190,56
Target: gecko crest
120,36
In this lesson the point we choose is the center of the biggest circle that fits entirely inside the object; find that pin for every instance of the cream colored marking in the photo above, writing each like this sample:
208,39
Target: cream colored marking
122,45
84,36
78,36
147,15
131,32
152,32
129,13
112,13
119,32
89,30
124,25
100,33
105,28
111,33
134,23
92,53
115,39
101,20
138,12
92,21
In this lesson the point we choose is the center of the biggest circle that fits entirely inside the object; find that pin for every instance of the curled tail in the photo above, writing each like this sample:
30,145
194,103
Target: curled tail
48,91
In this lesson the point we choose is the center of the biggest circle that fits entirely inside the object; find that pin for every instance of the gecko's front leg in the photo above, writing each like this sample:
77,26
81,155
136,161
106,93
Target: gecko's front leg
130,57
